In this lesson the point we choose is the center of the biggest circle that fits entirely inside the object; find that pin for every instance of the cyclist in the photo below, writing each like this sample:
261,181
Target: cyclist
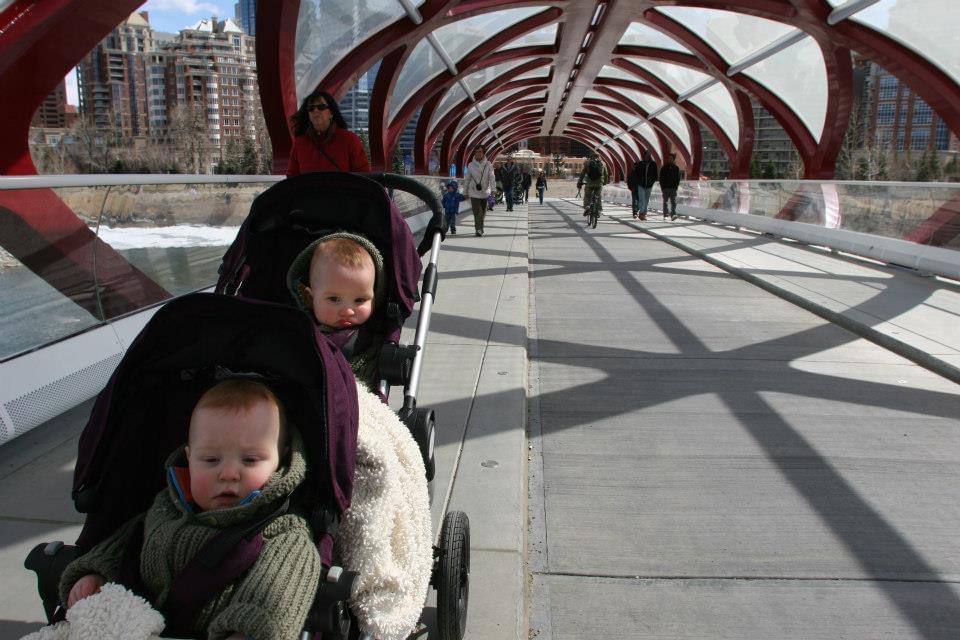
593,177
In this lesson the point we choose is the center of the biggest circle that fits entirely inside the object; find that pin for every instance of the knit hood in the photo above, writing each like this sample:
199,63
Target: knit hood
280,485
298,276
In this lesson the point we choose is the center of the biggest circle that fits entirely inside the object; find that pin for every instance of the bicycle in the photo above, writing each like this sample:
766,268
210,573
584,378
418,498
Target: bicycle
593,209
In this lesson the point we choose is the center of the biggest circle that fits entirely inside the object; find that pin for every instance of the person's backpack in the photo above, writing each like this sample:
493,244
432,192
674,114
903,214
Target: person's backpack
594,169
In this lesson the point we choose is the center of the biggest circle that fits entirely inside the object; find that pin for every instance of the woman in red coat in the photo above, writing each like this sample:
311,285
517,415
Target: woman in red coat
322,141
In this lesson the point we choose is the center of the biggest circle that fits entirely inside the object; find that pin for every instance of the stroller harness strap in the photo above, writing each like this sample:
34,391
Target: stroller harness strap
222,560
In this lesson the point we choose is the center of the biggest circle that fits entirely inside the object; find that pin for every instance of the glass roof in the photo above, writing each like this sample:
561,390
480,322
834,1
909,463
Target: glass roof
539,72
641,35
325,28
733,35
798,75
545,36
781,57
645,100
677,77
457,39
454,96
615,72
920,25
675,121
718,104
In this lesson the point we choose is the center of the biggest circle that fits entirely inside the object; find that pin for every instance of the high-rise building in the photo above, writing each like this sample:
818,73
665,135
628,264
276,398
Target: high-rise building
899,120
53,110
137,81
355,105
246,13
111,79
211,67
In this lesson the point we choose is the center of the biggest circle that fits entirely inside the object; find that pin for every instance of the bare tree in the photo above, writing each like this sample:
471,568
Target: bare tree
187,136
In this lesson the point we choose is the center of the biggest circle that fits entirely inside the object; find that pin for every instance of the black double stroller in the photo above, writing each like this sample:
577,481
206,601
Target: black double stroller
250,328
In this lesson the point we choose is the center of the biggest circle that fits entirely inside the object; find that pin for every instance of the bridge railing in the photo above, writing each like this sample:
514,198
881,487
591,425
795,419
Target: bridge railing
916,225
86,259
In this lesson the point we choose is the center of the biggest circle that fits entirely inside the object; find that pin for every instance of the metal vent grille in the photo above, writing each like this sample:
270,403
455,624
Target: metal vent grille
52,399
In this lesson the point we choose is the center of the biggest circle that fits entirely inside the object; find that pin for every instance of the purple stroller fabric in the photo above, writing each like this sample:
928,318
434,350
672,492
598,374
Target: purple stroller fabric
143,413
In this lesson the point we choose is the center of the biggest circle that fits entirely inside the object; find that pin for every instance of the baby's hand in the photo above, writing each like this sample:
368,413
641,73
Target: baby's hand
85,586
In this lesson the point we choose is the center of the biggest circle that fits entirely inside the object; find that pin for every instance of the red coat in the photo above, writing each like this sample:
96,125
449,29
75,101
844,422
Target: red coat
345,149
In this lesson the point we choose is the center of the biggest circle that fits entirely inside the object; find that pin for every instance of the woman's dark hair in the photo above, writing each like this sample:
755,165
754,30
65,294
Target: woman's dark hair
301,119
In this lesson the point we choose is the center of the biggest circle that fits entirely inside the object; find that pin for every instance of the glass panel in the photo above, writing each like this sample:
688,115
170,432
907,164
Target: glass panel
891,211
539,72
615,72
733,35
593,93
630,142
457,39
676,123
328,29
493,120
477,80
677,77
646,132
422,65
496,98
603,124
642,35
454,96
628,119
798,75
717,103
645,100
545,36
467,119
928,27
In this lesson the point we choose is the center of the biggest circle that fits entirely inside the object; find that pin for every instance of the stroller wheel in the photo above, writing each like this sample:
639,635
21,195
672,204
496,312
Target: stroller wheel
453,577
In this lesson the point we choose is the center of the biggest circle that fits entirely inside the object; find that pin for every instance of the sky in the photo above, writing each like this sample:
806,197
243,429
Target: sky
170,16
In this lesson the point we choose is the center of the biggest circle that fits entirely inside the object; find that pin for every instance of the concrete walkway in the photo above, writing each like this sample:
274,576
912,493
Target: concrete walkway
712,461
648,446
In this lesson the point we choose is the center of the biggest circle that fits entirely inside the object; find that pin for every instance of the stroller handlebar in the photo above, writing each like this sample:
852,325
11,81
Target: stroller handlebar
418,190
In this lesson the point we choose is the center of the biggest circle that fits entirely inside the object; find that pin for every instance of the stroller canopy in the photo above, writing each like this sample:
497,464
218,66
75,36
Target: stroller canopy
285,218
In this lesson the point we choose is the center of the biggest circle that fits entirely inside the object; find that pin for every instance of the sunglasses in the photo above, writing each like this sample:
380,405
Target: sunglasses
318,107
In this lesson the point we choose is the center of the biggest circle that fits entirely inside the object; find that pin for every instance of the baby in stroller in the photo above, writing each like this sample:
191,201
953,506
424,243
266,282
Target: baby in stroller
240,462
339,280
286,456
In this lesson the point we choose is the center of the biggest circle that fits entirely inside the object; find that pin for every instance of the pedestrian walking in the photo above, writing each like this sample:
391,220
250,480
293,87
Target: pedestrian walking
646,177
478,185
541,185
669,183
511,180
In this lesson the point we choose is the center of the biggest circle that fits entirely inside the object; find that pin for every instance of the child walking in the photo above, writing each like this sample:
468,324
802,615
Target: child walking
451,206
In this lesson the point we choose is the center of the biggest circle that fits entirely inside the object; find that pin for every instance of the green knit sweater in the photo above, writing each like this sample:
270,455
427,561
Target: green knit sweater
270,602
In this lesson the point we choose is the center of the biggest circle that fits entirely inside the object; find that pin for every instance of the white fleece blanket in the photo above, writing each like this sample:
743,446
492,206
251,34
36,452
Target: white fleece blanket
386,535
112,614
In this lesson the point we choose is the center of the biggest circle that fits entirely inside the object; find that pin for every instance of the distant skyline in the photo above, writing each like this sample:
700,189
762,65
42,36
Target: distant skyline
170,16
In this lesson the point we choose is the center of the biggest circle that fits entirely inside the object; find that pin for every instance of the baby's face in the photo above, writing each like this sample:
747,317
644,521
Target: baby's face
341,296
232,453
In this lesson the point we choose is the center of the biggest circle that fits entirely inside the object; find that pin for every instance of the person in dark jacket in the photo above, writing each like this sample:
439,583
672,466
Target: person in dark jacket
541,185
645,176
511,179
669,182
527,181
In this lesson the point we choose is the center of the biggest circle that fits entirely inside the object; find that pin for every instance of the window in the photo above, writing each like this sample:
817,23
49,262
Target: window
888,88
919,139
943,136
922,113
885,114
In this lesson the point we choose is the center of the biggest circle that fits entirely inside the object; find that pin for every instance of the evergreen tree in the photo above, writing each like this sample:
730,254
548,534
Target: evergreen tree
952,169
397,166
